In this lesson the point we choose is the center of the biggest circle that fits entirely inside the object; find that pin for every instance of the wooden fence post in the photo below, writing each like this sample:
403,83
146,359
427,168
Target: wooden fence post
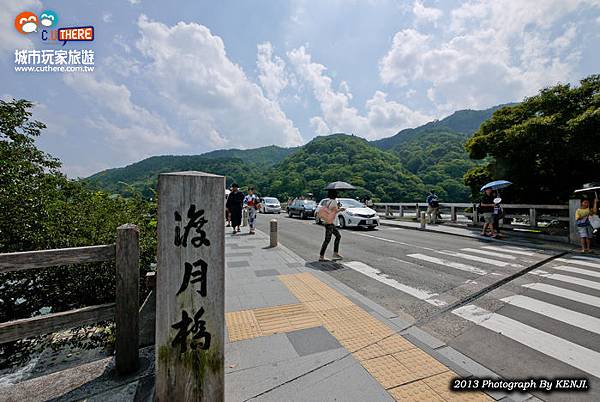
387,210
127,299
190,287
401,211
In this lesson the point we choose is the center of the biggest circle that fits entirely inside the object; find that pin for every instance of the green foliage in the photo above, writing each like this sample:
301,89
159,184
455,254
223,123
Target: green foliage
438,157
42,209
342,157
547,145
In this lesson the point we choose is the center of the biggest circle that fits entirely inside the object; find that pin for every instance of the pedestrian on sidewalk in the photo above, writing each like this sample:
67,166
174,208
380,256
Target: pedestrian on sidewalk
234,205
251,203
486,207
227,211
584,226
433,206
328,214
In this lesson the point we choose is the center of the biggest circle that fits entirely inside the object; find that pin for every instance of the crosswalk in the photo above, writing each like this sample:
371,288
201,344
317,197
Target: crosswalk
466,264
556,313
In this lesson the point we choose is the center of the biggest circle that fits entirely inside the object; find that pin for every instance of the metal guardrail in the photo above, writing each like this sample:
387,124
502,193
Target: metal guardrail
531,215
124,311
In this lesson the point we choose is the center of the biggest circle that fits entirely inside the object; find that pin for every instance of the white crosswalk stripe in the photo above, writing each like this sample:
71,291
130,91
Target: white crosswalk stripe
570,279
587,272
489,253
551,345
565,293
578,261
479,259
448,263
510,250
571,317
379,276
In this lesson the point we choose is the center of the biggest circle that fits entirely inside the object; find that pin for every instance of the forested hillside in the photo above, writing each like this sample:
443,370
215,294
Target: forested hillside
430,156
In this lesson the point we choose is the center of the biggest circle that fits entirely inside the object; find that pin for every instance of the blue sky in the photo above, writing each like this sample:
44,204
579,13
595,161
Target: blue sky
183,77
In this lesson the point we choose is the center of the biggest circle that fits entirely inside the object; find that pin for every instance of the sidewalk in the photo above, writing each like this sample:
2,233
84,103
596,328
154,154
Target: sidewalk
467,231
294,333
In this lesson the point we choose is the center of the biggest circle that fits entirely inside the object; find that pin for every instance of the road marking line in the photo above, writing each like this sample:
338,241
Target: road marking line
565,293
570,317
490,253
577,270
568,352
447,263
479,259
508,250
570,279
376,274
575,261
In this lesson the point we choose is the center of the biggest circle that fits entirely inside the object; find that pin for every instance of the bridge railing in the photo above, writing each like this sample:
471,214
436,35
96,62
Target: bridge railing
516,216
125,253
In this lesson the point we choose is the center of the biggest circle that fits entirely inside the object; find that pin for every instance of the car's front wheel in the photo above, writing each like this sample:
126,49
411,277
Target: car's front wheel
302,216
289,213
342,222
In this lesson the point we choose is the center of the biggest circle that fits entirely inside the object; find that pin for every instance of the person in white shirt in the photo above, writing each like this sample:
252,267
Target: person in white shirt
328,215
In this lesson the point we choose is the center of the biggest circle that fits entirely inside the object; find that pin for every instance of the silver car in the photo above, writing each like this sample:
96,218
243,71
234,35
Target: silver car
270,205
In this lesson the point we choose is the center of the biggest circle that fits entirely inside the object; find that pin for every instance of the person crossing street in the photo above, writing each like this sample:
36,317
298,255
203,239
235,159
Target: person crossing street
328,214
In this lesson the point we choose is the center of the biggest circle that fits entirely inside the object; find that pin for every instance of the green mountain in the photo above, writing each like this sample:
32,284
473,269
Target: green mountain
236,164
465,122
398,168
375,172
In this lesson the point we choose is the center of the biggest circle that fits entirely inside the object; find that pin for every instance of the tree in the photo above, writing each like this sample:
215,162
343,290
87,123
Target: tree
547,145
42,209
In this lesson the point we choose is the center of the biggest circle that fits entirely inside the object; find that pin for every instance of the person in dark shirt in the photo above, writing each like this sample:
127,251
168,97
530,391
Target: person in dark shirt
486,207
235,204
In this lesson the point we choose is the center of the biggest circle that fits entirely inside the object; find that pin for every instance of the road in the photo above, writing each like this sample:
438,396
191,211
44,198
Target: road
544,323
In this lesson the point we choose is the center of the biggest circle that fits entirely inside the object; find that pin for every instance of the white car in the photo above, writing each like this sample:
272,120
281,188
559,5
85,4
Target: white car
355,214
270,205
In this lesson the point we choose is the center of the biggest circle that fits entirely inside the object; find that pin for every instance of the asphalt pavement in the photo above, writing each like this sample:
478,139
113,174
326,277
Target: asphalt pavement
522,311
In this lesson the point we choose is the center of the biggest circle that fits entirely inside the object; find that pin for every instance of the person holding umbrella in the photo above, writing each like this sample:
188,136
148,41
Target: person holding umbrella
488,206
328,214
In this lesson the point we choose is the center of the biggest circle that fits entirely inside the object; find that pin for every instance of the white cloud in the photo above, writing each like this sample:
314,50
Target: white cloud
209,95
107,17
383,117
133,130
491,52
272,74
11,39
426,14
133,2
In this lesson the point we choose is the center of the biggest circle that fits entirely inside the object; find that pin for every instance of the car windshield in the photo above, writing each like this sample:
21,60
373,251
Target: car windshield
350,203
271,200
309,203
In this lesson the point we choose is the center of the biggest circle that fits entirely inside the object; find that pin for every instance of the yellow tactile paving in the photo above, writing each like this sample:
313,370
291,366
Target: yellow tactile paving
404,370
420,363
242,325
388,371
395,343
369,352
354,344
441,385
415,391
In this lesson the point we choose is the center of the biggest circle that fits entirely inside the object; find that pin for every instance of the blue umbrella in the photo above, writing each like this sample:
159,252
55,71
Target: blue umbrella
496,185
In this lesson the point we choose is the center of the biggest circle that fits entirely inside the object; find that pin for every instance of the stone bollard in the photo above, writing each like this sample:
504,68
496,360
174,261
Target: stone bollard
245,217
273,233
423,218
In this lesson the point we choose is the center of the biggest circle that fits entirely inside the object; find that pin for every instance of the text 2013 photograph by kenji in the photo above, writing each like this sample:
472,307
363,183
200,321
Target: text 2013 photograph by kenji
300,200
